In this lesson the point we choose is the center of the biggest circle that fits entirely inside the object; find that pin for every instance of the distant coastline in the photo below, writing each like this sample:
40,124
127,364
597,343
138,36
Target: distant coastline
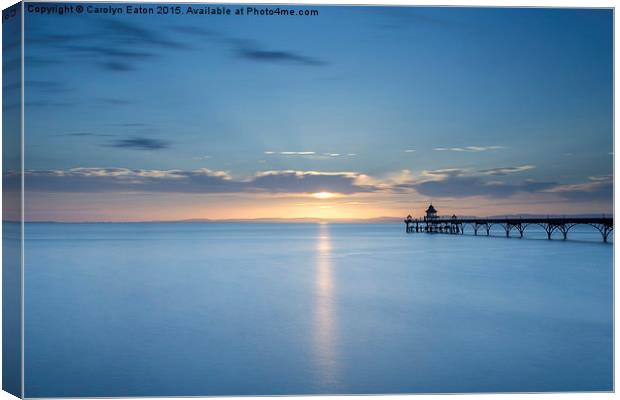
383,219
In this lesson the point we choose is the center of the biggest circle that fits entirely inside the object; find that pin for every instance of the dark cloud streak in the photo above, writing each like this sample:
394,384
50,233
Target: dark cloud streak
283,57
140,143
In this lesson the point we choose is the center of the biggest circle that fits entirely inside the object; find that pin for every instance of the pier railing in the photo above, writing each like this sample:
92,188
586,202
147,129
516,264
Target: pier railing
456,225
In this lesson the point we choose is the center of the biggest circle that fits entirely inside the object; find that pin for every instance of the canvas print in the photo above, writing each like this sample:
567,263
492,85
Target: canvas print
253,199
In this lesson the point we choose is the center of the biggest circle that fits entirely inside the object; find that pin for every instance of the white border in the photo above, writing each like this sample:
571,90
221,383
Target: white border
479,3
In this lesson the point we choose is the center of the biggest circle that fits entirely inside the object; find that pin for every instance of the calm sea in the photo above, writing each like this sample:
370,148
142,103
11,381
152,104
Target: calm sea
240,309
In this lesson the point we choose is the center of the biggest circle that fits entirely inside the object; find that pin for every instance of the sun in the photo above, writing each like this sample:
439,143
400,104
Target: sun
323,195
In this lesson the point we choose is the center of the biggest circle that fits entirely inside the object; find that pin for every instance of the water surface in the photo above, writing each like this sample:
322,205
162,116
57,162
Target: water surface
239,309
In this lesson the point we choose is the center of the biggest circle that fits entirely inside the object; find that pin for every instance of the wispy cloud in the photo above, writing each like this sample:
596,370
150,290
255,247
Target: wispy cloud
250,50
119,66
310,154
409,151
111,44
140,143
442,173
469,149
293,153
506,170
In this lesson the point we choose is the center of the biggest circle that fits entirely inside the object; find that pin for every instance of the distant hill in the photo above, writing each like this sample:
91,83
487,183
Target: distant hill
249,221
298,220
376,220
591,215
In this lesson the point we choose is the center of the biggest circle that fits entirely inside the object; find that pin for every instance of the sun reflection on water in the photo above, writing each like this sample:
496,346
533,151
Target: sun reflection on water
324,318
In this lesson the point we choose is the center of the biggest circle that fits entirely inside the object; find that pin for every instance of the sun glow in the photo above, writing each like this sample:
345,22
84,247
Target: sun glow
323,195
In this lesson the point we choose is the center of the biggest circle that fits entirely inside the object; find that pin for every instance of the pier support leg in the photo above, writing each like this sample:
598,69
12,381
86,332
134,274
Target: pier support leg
605,232
549,230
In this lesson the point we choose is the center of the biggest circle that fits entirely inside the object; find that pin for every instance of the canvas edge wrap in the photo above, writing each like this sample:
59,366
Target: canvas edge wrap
12,198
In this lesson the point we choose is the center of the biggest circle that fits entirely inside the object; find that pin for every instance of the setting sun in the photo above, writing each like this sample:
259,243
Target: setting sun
323,195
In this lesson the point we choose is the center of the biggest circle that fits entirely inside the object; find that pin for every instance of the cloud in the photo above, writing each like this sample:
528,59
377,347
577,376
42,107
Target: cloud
409,151
123,47
442,173
251,49
310,181
111,44
445,183
602,178
459,183
135,35
296,153
453,183
310,154
597,188
277,56
506,170
123,180
109,51
140,143
460,186
469,149
119,66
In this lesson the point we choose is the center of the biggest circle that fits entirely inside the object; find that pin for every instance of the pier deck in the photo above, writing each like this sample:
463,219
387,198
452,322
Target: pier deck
455,225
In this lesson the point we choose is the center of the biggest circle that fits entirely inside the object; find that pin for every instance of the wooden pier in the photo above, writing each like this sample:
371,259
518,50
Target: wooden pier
432,223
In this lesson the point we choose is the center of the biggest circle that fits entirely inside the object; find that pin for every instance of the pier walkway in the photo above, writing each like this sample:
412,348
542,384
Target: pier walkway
432,223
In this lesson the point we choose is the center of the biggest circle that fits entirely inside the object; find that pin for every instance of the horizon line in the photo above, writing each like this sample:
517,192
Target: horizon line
384,218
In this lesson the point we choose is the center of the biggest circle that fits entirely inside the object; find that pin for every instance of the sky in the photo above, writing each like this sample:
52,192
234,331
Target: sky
359,112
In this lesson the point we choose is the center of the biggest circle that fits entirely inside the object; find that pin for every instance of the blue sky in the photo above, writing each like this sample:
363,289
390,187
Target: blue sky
480,110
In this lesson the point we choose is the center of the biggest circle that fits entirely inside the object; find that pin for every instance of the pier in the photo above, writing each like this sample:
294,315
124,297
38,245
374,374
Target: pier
432,223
